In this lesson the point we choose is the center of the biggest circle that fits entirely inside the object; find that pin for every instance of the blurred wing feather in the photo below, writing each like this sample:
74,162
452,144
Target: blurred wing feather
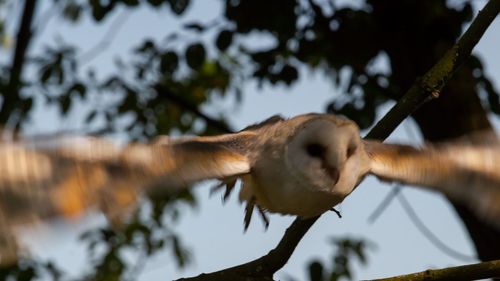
468,172
66,176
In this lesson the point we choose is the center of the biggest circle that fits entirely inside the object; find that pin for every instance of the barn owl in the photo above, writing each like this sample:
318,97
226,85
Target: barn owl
300,166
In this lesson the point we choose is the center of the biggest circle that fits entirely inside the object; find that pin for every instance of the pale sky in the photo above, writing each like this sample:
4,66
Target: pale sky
214,232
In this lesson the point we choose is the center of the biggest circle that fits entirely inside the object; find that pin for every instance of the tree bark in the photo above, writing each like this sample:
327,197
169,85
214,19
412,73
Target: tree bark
465,272
23,39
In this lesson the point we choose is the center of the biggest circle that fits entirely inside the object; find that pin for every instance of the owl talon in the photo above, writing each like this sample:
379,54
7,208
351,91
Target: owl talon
336,212
249,212
264,217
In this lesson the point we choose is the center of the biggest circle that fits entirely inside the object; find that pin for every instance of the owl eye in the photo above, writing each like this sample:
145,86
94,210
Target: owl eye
351,150
315,150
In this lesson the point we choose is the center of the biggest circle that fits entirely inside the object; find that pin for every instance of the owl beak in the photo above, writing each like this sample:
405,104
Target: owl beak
333,173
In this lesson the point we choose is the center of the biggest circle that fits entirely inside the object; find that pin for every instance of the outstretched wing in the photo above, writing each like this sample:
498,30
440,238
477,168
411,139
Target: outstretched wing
467,170
63,177
67,175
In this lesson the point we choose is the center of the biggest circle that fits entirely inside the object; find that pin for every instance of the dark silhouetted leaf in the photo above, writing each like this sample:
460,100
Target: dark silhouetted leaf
130,2
316,271
178,6
195,26
79,88
289,74
169,62
72,11
156,3
178,251
98,10
64,103
224,39
46,73
195,55
27,104
146,46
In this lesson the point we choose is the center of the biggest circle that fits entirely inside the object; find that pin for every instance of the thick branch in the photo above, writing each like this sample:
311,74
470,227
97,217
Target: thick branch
23,40
476,271
422,90
430,85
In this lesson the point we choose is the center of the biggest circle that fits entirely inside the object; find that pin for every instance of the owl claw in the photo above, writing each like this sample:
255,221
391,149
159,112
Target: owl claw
264,217
336,212
249,212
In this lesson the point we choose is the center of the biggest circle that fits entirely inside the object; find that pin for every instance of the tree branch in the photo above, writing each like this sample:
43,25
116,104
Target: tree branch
106,40
264,267
23,40
431,84
489,269
422,90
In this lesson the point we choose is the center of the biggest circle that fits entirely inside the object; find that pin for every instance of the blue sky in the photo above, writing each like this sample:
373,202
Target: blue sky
214,232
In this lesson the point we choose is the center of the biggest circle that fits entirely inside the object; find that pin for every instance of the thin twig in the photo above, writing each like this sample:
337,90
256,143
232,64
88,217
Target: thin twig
384,203
440,245
393,193
45,18
105,41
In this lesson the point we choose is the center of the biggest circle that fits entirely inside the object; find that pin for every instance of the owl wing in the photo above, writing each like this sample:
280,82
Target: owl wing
466,170
65,176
